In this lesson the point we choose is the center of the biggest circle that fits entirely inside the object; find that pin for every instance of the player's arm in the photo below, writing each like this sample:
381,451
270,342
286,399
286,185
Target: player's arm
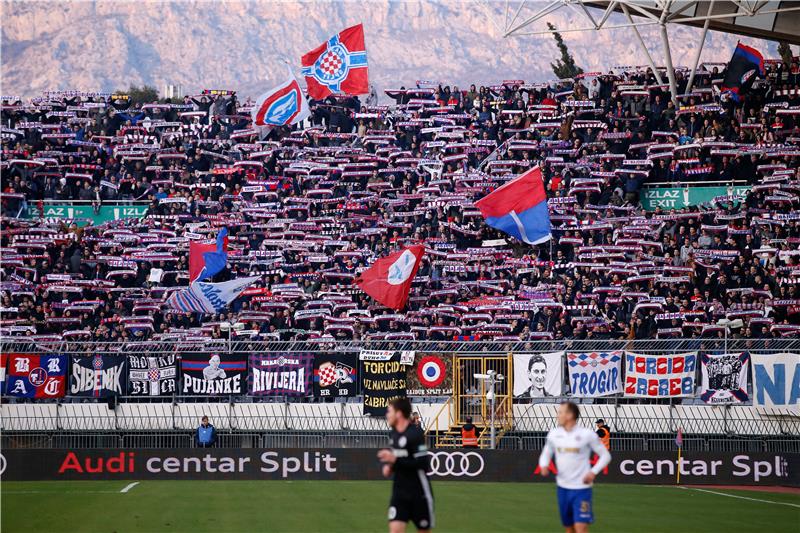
545,457
603,458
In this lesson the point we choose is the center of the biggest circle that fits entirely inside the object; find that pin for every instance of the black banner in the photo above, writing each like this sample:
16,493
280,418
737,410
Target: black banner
280,374
152,375
335,375
382,382
98,376
361,464
210,373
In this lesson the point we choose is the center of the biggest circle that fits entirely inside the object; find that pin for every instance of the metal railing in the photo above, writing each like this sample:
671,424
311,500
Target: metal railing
480,347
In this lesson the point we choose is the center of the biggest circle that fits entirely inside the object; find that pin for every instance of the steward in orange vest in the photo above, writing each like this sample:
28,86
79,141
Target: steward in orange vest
604,432
469,435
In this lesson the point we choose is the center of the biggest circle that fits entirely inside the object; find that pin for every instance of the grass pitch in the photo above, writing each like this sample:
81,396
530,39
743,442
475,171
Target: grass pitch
360,506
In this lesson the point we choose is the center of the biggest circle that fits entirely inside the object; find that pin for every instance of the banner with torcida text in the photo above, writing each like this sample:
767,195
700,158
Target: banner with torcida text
594,374
280,374
660,376
383,379
210,374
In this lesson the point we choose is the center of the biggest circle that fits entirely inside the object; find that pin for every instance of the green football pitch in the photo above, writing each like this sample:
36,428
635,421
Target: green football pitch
360,506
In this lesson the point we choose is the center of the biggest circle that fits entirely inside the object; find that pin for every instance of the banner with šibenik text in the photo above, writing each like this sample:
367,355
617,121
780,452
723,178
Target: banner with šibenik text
595,374
383,379
335,374
280,374
776,381
660,376
724,377
213,373
98,376
152,375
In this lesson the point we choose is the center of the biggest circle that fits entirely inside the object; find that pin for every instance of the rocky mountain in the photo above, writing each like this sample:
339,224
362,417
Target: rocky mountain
107,45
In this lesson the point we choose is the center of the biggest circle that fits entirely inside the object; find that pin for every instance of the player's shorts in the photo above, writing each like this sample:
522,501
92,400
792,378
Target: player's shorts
575,505
417,509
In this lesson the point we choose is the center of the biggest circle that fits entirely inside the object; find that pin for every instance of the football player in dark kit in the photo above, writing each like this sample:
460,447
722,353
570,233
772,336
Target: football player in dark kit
408,462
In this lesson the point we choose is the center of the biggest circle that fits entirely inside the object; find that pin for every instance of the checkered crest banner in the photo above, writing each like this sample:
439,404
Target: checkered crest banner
152,376
594,374
335,375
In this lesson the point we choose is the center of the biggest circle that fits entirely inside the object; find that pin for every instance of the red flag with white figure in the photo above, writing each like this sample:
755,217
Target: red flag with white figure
389,279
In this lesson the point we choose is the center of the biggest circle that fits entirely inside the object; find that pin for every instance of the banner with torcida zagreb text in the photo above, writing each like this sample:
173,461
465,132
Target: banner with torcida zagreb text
361,464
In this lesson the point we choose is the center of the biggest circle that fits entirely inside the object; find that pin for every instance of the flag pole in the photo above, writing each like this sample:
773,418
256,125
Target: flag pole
679,442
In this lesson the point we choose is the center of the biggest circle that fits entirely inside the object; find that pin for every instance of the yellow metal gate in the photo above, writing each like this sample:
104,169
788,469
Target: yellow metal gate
470,392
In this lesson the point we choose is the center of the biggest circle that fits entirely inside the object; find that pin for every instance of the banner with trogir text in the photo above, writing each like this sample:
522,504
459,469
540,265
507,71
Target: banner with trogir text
383,379
36,376
213,373
594,374
280,374
152,375
660,376
537,375
776,381
335,374
724,377
98,376
431,375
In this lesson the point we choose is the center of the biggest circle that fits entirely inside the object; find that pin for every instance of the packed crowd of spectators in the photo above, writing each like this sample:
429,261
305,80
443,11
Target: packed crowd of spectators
309,208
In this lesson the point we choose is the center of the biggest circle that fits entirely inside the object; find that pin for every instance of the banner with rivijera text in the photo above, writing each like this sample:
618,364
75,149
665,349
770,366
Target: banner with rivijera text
431,375
280,374
335,374
99,376
660,376
776,381
594,374
213,373
152,375
724,377
382,380
36,376
537,375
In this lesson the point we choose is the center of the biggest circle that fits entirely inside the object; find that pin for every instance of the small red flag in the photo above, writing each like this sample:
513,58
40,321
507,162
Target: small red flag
679,437
389,279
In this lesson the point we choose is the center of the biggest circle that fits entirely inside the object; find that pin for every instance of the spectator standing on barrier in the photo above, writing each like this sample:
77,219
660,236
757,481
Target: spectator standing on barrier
206,436
469,434
604,432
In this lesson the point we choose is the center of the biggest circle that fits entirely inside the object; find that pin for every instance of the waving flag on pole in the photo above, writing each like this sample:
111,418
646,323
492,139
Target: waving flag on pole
745,65
338,65
209,297
208,260
282,106
519,208
389,279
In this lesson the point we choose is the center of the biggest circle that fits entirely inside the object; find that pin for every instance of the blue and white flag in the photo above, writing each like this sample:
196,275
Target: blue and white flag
209,297
282,106
594,374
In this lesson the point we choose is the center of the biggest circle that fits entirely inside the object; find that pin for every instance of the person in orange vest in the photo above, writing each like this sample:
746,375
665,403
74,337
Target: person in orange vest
469,434
604,432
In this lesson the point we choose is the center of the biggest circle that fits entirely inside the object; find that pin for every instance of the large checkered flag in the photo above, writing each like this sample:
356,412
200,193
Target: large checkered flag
338,65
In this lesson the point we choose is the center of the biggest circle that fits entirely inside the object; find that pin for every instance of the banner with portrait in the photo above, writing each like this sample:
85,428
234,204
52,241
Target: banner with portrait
431,375
213,373
381,382
538,375
594,374
36,376
776,381
280,374
152,375
98,376
335,374
724,378
660,376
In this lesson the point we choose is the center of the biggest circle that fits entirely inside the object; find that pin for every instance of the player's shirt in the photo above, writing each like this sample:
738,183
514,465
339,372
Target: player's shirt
412,464
573,450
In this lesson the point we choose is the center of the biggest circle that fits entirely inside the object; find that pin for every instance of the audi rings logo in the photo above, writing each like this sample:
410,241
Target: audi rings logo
456,464
2,464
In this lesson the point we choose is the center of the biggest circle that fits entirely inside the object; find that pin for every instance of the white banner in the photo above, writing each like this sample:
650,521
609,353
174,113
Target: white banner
660,376
406,356
594,374
537,375
724,378
776,380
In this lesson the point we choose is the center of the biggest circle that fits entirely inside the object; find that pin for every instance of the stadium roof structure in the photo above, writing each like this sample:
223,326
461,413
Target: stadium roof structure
773,20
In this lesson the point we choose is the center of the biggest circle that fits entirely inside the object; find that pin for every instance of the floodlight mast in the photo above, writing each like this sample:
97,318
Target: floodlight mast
491,378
